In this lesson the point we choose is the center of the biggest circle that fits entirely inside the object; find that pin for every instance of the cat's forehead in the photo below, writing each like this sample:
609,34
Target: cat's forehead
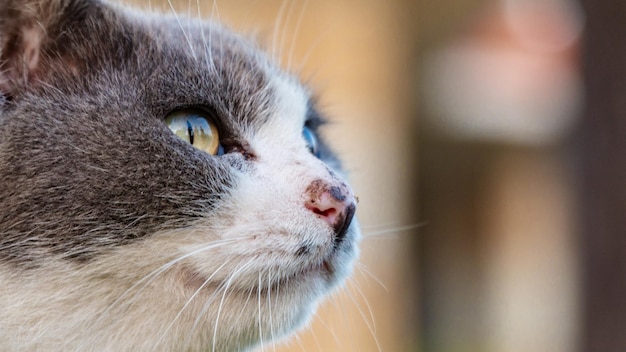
200,63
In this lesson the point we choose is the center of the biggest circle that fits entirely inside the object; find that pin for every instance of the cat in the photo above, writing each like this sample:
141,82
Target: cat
163,185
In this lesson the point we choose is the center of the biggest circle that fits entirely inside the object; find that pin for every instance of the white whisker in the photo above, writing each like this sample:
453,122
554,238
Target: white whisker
392,231
201,313
347,318
251,7
369,326
314,46
277,29
149,278
210,64
277,295
296,32
299,342
219,310
215,10
269,308
332,333
180,312
317,342
364,270
245,304
259,317
182,29
355,285
283,35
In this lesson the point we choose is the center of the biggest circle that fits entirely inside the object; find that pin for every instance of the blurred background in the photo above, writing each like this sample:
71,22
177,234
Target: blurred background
483,138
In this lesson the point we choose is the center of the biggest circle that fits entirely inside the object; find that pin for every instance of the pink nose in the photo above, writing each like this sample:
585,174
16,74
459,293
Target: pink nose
327,207
334,205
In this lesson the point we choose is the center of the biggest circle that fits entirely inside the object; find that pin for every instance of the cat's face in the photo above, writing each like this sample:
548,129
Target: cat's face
115,230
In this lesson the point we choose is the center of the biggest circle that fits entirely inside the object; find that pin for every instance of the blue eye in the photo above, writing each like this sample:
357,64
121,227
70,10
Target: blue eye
311,140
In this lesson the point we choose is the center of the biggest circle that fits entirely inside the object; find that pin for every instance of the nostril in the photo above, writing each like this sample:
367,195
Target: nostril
329,214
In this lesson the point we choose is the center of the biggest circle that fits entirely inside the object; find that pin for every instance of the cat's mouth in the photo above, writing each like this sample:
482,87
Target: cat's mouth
325,270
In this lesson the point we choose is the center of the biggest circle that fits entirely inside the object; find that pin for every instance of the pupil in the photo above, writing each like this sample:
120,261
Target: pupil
190,132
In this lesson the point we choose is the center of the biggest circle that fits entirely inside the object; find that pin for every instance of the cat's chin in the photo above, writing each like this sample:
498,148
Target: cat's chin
269,307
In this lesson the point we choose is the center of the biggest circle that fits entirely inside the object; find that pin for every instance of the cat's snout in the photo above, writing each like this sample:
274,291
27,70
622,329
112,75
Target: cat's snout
334,204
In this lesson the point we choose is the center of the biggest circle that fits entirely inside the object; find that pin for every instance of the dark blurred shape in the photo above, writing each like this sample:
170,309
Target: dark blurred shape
501,92
603,207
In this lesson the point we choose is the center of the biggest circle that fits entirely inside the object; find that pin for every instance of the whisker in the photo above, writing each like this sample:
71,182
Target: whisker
364,270
277,295
394,230
180,312
317,342
210,64
182,29
299,341
152,275
215,9
205,307
259,318
277,29
369,326
347,318
355,285
269,307
323,36
251,7
245,304
294,37
283,35
332,333
219,310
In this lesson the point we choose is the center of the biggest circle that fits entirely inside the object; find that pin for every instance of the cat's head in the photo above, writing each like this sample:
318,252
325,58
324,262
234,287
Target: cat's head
108,209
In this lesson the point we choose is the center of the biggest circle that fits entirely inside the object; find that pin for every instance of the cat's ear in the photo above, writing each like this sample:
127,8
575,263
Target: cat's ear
24,31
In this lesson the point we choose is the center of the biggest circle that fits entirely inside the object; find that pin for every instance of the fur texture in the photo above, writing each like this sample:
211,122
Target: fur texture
117,235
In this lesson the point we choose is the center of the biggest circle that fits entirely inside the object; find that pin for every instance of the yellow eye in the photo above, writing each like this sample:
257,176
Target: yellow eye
197,128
